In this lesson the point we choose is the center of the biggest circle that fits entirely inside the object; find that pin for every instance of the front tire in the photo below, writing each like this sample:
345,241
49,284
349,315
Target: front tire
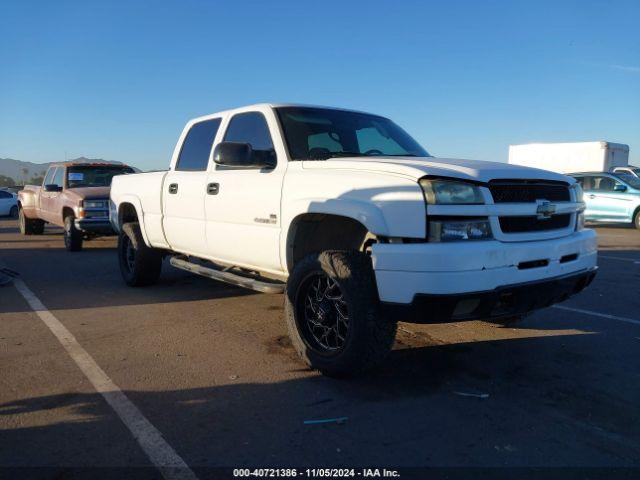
636,220
140,265
13,213
72,236
29,226
333,316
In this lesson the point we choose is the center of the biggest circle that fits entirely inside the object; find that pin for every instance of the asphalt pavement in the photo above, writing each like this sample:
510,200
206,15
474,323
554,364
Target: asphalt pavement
209,367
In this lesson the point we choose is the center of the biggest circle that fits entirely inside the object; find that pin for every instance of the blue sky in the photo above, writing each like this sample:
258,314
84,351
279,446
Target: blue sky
118,80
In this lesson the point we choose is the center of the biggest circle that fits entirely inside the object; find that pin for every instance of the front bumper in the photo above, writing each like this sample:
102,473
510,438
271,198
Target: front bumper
97,226
501,302
405,272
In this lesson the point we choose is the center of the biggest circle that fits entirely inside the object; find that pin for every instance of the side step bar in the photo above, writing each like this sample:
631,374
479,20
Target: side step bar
228,277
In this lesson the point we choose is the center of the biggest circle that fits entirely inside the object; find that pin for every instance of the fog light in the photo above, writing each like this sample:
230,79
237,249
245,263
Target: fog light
454,230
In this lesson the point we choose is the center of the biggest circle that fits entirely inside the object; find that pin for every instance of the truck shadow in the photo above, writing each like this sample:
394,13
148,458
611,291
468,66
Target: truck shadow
411,413
91,279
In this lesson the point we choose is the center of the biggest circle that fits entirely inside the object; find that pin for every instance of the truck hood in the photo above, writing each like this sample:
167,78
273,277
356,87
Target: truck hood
477,170
88,193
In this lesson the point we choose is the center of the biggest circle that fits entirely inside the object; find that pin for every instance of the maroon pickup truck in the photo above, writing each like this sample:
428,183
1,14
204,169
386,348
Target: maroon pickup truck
73,195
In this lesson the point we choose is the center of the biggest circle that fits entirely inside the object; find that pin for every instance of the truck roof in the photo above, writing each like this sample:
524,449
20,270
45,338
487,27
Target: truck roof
87,164
275,105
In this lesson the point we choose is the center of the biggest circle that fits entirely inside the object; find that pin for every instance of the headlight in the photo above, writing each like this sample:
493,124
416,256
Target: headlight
94,204
577,190
450,192
452,230
579,221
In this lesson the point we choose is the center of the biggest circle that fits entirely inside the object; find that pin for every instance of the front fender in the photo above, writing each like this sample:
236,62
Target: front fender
367,214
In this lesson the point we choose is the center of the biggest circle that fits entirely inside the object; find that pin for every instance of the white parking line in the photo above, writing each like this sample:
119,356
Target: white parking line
163,457
623,259
597,314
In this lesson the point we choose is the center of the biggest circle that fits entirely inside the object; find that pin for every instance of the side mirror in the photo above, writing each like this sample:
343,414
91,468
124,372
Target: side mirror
236,154
620,188
52,188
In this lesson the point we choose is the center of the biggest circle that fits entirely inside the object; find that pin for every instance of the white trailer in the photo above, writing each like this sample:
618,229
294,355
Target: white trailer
570,157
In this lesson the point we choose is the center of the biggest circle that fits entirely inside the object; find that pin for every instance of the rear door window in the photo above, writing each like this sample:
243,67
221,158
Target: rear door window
196,148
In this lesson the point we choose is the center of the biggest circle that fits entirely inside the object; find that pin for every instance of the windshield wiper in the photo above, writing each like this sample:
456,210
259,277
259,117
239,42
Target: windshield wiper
328,155
348,154
403,155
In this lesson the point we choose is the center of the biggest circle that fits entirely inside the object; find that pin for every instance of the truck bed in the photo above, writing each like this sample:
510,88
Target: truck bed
145,192
28,198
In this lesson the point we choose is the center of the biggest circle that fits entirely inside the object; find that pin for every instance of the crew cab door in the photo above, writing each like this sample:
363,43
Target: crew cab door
243,203
184,189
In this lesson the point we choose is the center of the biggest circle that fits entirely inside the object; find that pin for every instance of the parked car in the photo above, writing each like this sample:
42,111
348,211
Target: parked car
13,189
356,223
611,197
8,203
630,169
73,195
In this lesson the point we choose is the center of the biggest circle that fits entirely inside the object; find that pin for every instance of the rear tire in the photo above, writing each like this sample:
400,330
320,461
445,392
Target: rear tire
29,226
140,265
636,220
13,213
323,291
72,236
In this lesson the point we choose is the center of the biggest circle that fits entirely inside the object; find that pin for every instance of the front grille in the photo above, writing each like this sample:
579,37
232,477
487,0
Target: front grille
528,191
533,224
96,207
96,213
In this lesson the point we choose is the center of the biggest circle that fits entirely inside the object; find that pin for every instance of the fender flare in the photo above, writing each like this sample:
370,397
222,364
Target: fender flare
362,212
137,204
366,213
26,201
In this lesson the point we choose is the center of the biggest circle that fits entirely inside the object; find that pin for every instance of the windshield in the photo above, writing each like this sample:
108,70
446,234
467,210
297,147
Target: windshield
92,176
629,179
321,133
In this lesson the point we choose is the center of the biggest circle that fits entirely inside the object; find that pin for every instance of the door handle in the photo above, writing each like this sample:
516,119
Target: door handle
173,188
213,188
592,196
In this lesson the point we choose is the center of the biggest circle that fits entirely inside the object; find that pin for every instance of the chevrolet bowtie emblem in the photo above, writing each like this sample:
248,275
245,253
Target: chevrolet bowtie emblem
545,209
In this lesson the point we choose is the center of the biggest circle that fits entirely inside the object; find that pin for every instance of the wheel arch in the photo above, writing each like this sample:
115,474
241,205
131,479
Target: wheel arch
66,211
130,209
312,232
635,215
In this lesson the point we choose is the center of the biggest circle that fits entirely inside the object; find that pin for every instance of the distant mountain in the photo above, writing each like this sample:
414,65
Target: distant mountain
15,168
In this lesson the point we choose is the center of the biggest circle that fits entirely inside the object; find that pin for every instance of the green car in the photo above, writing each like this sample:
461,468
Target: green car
611,197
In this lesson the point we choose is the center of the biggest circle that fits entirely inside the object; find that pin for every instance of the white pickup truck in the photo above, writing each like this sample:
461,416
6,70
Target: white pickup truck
356,223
